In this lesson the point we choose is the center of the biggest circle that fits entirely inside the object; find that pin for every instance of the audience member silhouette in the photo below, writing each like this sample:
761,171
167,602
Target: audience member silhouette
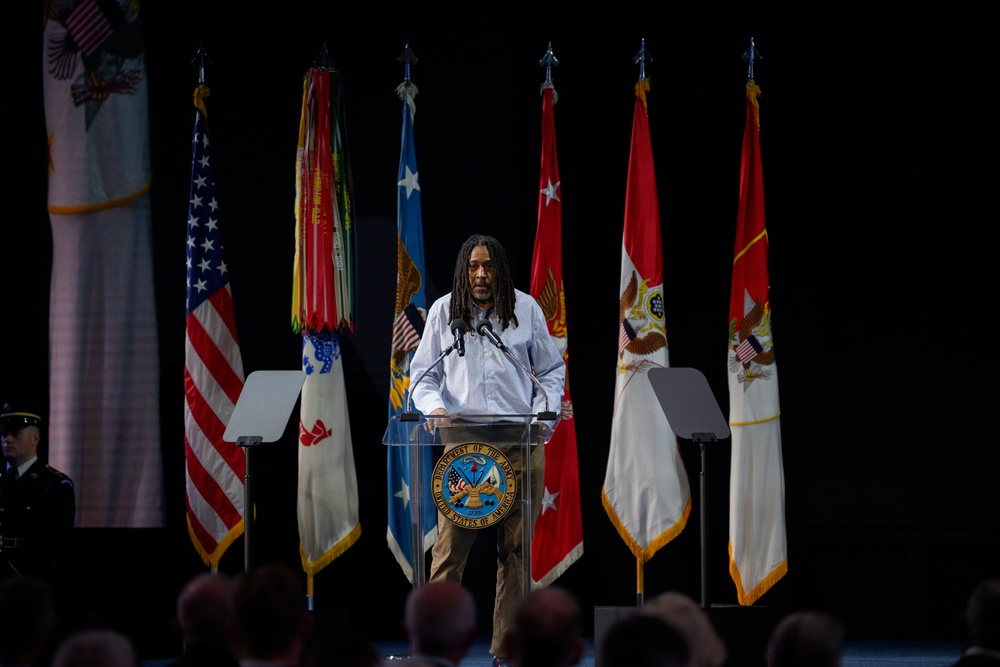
982,626
206,622
93,648
270,606
440,622
27,621
546,631
684,615
643,640
806,639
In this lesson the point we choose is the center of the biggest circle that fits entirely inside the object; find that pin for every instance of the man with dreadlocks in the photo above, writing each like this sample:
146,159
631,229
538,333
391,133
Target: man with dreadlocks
484,381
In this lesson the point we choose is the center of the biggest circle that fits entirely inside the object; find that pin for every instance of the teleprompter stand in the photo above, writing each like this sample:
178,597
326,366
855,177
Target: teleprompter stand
261,415
691,409
693,413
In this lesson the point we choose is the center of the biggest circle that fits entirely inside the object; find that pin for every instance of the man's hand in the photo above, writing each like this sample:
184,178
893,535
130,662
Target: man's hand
438,417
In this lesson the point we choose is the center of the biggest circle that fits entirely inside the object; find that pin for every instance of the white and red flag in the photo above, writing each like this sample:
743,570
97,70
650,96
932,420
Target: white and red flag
646,492
758,550
558,536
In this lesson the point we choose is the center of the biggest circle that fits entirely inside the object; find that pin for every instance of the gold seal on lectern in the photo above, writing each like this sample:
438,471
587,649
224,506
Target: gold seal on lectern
474,485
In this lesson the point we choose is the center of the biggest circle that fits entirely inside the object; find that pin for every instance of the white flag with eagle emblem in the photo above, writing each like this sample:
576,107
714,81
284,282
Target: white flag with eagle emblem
104,421
646,492
758,550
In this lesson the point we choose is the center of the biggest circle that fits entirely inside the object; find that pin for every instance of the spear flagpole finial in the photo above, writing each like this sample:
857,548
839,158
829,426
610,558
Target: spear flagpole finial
750,56
407,58
548,61
200,57
642,57
323,60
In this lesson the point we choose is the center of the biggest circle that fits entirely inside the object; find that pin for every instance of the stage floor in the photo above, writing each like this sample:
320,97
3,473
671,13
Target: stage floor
856,654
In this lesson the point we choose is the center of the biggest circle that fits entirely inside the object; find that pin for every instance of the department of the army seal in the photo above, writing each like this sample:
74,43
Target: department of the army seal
474,485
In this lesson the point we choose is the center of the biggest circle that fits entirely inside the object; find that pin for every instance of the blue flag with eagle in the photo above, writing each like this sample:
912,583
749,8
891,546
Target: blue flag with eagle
407,465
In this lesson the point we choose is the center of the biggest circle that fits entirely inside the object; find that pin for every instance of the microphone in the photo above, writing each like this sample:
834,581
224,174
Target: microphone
458,329
486,329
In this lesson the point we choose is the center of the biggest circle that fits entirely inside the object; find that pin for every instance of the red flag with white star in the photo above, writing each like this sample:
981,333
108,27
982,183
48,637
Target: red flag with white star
558,536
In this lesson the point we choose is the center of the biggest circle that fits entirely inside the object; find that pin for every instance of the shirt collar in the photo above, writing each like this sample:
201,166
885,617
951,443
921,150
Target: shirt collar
23,468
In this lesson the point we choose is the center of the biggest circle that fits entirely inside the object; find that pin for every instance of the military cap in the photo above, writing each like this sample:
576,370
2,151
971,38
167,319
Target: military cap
14,418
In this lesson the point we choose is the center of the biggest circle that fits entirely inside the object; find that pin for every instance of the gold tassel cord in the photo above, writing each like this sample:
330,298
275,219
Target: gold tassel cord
200,94
641,88
753,92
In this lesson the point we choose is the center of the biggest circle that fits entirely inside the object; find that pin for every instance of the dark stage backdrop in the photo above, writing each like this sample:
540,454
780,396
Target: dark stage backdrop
878,157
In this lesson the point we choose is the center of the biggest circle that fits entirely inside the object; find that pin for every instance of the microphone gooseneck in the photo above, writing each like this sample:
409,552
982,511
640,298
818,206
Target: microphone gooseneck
486,329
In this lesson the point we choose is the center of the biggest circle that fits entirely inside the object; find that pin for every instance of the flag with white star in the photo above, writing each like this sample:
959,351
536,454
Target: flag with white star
646,492
558,537
213,367
406,464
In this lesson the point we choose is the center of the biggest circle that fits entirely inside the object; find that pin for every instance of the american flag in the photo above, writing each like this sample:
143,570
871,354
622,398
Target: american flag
213,368
407,329
748,349
625,335
89,26
455,481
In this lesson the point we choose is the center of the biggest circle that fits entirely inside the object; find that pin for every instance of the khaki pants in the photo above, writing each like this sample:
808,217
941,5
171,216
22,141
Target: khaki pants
451,550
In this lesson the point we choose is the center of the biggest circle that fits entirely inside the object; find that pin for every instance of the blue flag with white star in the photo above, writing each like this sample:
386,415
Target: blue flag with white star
407,328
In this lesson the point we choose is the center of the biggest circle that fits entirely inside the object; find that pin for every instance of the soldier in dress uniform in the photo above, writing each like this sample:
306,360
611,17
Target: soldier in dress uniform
37,502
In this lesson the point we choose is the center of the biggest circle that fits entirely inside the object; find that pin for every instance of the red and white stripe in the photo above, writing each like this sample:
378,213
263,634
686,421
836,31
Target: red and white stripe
88,26
213,380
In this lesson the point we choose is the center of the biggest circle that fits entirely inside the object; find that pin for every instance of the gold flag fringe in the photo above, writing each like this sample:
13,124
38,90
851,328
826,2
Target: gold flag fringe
643,555
749,597
313,567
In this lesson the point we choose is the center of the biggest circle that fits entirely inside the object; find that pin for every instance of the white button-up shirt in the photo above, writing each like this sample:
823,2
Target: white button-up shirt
485,380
